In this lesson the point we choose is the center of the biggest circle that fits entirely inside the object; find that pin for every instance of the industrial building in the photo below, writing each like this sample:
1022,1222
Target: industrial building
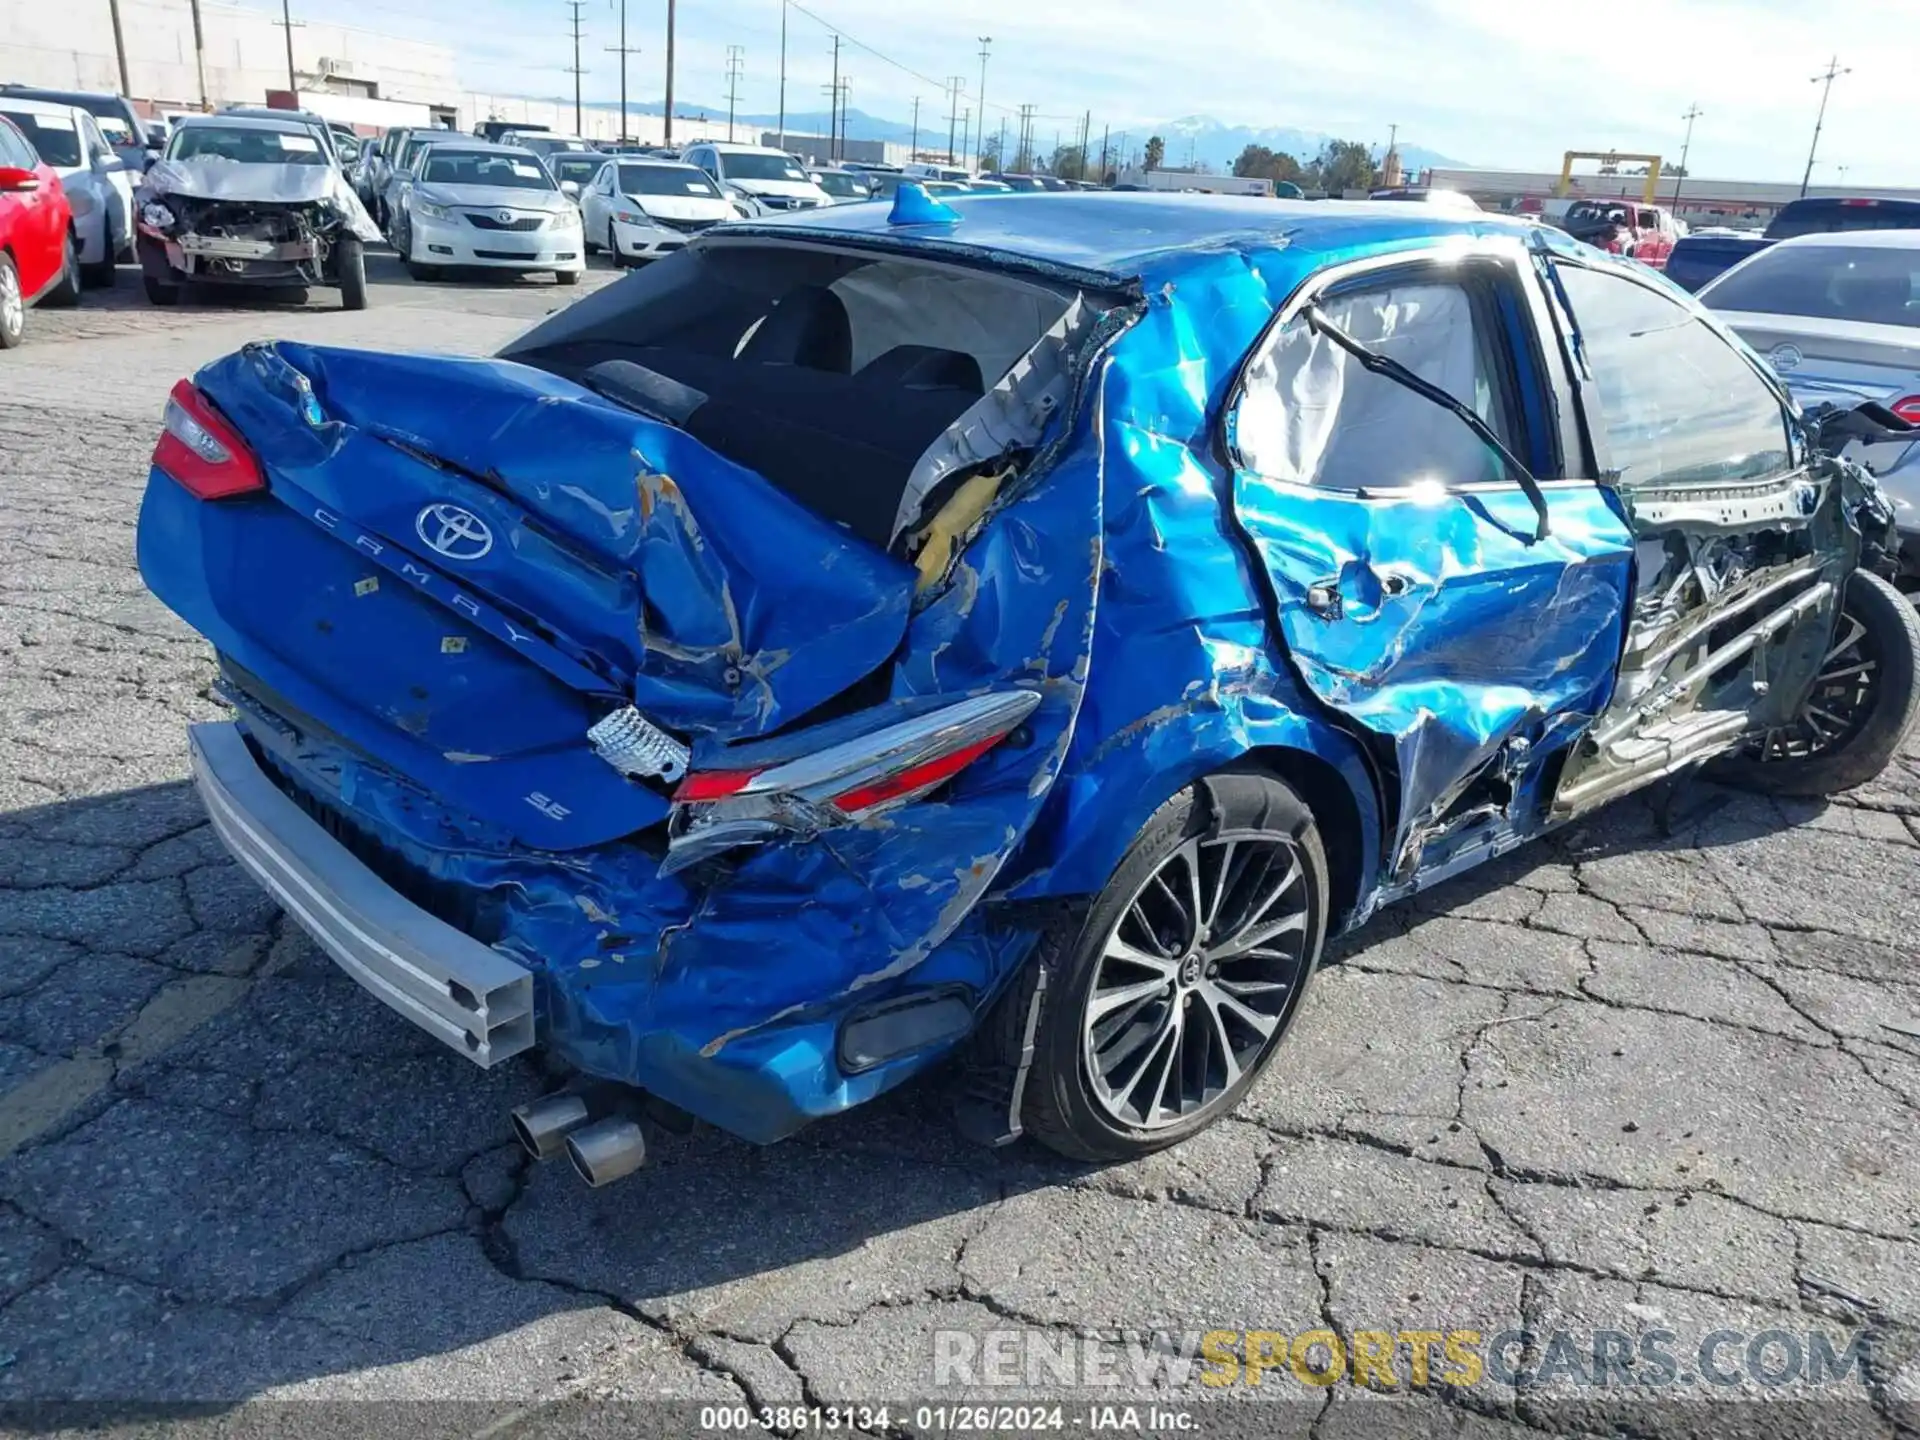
1743,203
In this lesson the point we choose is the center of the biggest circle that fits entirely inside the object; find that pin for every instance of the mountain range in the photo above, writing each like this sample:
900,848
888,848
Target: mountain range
1196,138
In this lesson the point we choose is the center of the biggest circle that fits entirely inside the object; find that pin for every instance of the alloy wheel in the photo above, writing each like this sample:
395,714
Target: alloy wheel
1196,977
1837,706
13,310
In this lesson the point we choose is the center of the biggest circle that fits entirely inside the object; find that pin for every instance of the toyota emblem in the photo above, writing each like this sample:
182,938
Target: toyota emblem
506,217
454,532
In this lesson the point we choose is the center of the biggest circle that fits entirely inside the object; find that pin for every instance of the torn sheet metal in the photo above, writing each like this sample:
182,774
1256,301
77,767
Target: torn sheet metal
217,179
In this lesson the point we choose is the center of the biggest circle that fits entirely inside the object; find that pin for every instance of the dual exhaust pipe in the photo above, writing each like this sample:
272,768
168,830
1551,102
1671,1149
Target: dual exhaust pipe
601,1150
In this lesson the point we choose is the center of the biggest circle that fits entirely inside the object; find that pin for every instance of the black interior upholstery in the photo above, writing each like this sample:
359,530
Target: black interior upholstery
809,327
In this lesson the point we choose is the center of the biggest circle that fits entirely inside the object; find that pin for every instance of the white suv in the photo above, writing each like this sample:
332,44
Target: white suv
772,178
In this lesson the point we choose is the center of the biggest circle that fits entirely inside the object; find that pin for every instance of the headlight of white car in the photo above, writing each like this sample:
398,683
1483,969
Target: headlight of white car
567,219
428,210
632,217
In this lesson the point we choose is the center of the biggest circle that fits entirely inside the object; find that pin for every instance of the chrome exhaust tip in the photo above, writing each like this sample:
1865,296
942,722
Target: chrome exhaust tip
542,1125
607,1149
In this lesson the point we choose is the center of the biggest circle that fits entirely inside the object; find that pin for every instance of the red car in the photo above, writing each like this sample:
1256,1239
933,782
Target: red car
38,259
1622,227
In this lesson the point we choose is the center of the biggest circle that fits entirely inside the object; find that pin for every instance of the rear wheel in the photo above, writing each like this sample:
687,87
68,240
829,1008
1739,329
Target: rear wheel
13,307
66,290
101,274
350,259
159,292
1861,708
1173,993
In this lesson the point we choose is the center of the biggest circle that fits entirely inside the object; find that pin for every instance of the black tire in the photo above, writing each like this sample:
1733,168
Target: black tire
101,275
159,292
566,277
1060,1106
13,305
66,290
350,261
423,272
1876,706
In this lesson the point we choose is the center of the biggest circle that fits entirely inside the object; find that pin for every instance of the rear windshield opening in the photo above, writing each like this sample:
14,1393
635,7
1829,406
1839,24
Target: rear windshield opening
828,373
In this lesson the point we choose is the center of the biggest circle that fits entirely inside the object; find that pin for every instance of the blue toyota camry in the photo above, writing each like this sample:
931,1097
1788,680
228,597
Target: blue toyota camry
1022,627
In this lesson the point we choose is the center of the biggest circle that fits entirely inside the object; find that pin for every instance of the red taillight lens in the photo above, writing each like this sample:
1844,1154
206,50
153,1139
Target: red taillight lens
920,777
1907,409
200,450
712,785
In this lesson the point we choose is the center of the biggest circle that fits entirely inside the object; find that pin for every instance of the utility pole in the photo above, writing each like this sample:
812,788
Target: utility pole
286,22
1832,73
1086,139
669,128
199,50
913,147
1000,154
986,46
966,136
1106,133
846,96
120,49
1694,112
833,106
623,50
574,5
955,84
783,74
736,63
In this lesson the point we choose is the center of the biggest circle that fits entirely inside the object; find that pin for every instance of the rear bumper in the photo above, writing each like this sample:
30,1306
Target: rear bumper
465,995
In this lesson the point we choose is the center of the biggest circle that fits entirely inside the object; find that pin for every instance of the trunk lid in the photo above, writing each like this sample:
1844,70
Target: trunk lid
463,564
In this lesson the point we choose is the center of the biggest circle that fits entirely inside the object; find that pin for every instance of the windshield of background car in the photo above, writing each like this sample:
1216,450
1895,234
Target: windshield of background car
1827,217
56,137
1867,285
666,180
469,167
245,147
842,187
578,168
749,166
1588,213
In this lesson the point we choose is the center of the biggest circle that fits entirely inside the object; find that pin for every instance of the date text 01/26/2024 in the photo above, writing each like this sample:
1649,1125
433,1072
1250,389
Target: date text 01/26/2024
949,1419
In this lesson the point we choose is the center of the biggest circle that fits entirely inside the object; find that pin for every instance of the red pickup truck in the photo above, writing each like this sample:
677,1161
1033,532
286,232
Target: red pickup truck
1621,227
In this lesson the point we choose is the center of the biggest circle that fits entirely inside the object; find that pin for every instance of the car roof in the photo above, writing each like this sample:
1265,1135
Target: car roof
70,97
226,121
474,145
21,105
270,112
1127,235
738,147
1853,240
655,161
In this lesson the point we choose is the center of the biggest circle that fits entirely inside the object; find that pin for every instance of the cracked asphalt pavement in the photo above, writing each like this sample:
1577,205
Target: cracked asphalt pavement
1660,1072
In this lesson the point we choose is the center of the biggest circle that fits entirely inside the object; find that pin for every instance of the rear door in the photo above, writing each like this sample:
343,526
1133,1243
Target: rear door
1415,594
36,223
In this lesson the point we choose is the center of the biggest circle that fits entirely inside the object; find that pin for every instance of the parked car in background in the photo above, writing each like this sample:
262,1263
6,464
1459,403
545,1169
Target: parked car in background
406,162
98,183
1837,315
119,122
1620,227
843,187
1700,257
250,201
981,185
648,208
885,187
638,209
816,749
772,178
500,131
1427,195
39,258
573,171
925,170
495,207
549,146
1022,181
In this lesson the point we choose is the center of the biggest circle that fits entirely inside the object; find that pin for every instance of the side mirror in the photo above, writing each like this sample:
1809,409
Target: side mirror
570,189
14,178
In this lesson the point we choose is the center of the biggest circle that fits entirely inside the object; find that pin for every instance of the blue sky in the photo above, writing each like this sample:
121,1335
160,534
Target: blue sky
1489,81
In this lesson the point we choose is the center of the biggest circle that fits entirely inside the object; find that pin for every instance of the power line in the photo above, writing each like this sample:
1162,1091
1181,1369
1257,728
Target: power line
1694,112
623,50
881,56
955,84
1832,73
285,22
986,46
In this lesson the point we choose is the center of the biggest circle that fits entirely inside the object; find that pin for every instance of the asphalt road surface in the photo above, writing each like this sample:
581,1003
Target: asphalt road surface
1657,1076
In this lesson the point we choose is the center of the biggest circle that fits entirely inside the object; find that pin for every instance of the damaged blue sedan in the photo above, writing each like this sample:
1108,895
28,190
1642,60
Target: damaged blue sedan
1018,630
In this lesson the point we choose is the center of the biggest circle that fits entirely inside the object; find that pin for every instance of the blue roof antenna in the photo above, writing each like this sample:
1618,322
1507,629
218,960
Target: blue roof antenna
912,205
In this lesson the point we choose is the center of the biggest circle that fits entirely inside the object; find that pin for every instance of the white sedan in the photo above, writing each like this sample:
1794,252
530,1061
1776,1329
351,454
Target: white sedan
472,204
637,209
97,181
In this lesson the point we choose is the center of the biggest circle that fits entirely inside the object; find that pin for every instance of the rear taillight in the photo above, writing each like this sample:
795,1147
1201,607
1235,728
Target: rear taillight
803,791
1907,409
200,450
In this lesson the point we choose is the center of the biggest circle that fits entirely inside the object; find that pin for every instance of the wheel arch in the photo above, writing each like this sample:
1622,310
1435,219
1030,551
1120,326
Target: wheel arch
1097,810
